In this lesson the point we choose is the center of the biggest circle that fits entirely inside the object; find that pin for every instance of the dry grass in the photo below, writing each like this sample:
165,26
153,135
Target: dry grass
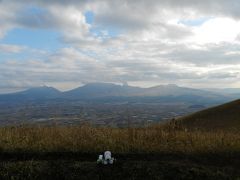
85,138
223,117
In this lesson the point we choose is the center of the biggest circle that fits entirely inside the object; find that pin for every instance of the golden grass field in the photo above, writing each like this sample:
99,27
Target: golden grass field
203,145
153,139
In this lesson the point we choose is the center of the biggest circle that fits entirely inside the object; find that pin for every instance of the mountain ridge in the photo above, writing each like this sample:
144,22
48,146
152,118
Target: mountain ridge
170,92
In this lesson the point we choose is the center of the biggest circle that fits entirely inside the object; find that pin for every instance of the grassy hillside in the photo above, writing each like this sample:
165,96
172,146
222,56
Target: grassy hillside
162,167
223,117
156,152
162,151
155,139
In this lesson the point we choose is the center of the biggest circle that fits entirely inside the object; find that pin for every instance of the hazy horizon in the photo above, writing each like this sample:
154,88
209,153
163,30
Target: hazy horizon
66,44
121,84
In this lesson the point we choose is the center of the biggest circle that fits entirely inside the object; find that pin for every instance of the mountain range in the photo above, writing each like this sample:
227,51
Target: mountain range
112,92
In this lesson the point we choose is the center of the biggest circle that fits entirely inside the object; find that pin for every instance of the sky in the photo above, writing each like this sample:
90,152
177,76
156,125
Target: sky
68,43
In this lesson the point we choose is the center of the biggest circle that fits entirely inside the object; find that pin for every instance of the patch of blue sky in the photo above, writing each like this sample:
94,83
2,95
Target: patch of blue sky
194,22
105,32
17,56
47,40
89,15
34,41
25,54
33,10
39,39
99,30
3,57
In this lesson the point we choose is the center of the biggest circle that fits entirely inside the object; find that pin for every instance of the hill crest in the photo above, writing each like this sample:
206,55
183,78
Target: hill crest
225,116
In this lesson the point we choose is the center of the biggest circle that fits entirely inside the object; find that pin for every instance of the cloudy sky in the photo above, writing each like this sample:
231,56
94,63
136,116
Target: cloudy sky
67,43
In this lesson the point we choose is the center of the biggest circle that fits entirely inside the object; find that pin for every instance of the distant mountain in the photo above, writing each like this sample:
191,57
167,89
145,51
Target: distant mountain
226,91
226,116
109,89
94,90
37,93
174,90
108,92
162,93
41,92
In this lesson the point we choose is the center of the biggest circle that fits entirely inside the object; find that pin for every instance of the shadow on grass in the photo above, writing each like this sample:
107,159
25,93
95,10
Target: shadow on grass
69,165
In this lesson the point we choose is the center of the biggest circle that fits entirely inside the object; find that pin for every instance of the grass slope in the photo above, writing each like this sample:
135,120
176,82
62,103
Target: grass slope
156,152
85,139
127,167
223,117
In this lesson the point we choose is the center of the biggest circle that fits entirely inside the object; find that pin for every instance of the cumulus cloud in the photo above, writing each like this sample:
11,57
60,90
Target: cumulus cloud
138,41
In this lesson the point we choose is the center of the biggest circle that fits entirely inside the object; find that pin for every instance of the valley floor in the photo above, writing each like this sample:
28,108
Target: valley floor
128,166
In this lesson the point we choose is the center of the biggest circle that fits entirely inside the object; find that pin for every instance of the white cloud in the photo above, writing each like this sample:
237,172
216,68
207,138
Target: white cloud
151,45
7,48
217,30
